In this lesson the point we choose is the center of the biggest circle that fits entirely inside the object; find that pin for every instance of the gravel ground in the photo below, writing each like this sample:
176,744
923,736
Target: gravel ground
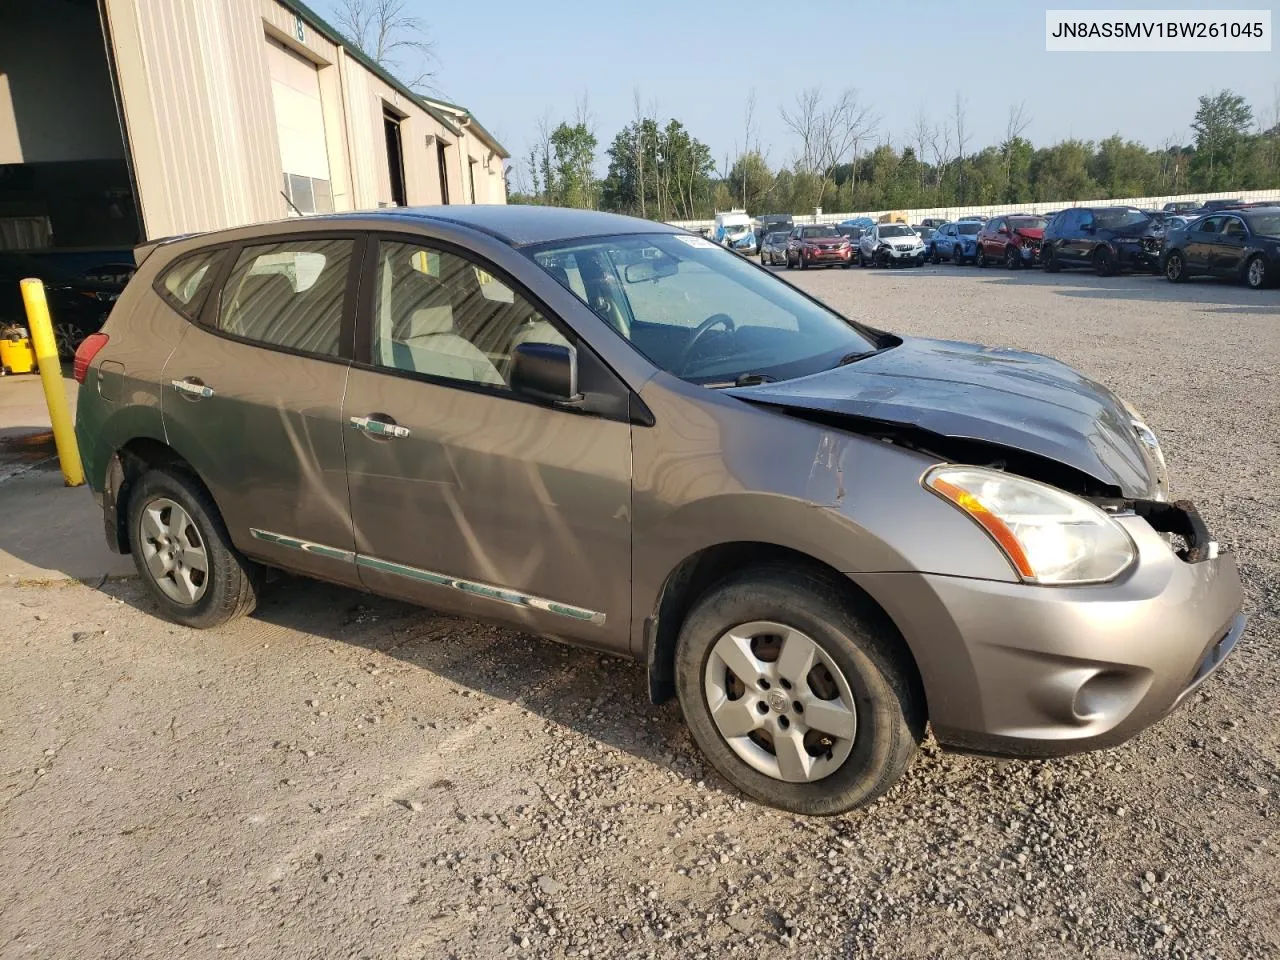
341,776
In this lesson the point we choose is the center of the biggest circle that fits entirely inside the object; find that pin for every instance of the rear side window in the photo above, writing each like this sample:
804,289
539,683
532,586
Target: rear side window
289,294
185,284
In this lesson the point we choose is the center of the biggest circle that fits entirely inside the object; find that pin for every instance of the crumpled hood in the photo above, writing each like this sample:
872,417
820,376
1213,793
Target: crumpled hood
1010,398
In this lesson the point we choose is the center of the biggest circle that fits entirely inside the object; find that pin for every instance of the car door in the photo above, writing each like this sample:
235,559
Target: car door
948,242
1226,257
252,398
991,240
1077,246
464,495
1201,238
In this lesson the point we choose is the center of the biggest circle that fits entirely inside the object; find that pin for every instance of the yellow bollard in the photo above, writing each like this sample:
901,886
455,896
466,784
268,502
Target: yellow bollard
41,327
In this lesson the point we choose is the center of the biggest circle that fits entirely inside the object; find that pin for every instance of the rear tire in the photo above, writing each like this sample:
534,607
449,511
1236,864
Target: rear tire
849,670
1175,268
174,530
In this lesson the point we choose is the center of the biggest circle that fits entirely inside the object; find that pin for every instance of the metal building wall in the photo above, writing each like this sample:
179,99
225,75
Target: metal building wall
196,96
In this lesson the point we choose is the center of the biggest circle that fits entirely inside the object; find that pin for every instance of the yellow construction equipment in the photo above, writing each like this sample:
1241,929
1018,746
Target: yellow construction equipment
16,353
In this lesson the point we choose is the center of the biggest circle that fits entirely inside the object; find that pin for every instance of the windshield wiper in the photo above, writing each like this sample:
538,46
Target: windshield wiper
752,379
855,357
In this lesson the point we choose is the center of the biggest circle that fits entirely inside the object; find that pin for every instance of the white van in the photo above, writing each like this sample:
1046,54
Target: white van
736,231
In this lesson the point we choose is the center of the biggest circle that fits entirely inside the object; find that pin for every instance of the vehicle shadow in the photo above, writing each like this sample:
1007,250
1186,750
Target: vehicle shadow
597,695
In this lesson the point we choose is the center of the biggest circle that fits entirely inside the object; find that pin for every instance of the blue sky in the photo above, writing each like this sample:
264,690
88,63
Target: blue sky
511,61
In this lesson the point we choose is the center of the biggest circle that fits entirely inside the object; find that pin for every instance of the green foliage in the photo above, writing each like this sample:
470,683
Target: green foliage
664,173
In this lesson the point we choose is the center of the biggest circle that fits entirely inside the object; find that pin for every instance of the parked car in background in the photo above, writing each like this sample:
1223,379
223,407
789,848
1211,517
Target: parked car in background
933,222
1013,240
890,245
717,475
773,223
863,222
925,233
1213,206
972,218
1182,206
818,245
1175,221
1243,245
957,242
773,249
78,306
1108,239
854,234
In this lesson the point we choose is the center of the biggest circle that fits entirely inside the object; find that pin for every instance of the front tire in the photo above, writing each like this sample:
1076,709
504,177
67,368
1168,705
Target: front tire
796,692
1051,264
1104,264
1255,272
980,257
1012,259
1175,268
184,555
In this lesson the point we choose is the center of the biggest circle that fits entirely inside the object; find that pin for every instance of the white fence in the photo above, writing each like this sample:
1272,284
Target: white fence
991,210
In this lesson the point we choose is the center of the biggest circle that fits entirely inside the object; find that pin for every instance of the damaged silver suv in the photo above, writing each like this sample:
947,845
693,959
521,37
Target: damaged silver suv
820,537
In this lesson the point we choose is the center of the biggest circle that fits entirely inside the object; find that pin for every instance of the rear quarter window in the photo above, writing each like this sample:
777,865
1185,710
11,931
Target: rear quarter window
185,284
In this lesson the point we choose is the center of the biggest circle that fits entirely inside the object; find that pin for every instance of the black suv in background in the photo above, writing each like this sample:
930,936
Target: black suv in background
1239,244
1107,238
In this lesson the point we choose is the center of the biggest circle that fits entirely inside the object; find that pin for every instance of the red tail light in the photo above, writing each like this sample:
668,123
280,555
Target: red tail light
85,353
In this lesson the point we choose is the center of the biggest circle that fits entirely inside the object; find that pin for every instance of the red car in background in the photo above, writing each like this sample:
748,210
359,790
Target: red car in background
1013,240
818,245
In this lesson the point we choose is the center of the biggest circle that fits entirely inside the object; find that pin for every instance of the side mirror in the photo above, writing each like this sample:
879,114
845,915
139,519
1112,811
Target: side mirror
546,371
1003,230
1089,228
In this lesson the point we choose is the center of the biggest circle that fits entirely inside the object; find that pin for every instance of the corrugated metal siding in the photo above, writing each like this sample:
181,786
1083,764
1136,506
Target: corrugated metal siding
197,81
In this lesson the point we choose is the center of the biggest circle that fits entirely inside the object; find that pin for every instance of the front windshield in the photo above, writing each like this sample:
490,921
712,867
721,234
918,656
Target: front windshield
811,233
897,232
1119,218
1027,223
969,228
1266,224
778,237
699,311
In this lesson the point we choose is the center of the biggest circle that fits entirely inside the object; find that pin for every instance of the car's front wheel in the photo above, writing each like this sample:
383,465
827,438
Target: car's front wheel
1012,259
980,257
1104,262
1175,268
1050,257
183,553
798,694
1255,272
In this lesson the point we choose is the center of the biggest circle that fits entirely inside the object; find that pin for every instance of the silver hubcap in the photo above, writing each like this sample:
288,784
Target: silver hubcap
1256,270
174,551
780,702
1175,267
68,338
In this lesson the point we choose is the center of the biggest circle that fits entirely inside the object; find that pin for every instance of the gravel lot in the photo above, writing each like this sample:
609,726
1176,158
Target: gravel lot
341,776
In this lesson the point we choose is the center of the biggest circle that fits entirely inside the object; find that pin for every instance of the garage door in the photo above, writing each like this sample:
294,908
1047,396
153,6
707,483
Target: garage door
295,90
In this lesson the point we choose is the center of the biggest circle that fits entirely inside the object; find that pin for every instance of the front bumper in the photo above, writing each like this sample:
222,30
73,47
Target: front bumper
1016,669
1138,257
826,256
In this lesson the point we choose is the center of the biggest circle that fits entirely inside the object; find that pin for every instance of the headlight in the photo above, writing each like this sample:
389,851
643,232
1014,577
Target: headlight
1048,535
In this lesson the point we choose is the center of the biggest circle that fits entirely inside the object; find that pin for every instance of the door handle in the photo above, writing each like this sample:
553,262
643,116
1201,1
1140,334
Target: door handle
193,387
375,427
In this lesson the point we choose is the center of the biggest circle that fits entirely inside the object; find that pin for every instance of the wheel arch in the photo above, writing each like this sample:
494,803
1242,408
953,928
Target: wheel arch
125,468
697,573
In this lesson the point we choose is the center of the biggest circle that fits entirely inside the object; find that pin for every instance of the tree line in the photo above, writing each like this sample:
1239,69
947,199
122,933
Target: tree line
844,159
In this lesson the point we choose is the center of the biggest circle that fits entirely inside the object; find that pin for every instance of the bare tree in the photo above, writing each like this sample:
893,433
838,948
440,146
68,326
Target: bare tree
1019,120
397,40
921,136
639,145
962,133
828,135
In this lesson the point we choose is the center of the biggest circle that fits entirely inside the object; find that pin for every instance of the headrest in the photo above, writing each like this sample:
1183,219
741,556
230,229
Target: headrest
428,321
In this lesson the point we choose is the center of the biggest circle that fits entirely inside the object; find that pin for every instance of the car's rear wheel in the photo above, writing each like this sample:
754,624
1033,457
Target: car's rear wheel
1255,272
796,693
1175,268
1012,259
67,337
183,553
1104,262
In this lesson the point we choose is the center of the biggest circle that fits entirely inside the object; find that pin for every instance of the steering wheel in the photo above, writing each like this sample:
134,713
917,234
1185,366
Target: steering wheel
707,325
